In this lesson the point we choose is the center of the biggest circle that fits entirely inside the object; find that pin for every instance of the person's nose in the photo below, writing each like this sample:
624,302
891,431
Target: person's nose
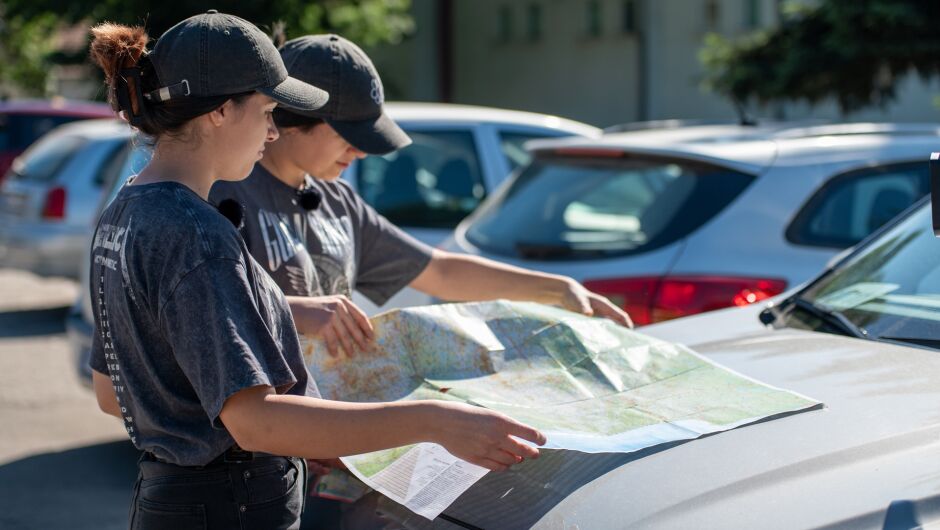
357,153
273,133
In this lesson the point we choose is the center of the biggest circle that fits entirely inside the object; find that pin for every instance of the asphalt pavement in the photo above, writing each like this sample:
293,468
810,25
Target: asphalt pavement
63,463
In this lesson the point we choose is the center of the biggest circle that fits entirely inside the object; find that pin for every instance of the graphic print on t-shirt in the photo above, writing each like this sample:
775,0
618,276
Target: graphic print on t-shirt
111,240
280,242
308,269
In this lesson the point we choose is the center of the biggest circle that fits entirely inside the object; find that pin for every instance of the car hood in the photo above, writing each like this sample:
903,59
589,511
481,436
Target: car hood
869,458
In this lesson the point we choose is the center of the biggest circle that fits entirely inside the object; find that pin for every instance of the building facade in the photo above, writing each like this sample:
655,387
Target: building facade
600,61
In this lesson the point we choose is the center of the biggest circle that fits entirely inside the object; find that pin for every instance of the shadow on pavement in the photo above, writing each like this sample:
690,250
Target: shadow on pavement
84,488
33,322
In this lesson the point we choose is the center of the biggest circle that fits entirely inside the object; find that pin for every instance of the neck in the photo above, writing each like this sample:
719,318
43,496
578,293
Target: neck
276,160
175,162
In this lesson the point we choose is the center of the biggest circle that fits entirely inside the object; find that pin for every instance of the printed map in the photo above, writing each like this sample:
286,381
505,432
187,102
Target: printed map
588,384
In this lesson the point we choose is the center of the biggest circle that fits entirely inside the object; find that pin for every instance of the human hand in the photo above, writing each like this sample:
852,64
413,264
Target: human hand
334,319
484,437
578,299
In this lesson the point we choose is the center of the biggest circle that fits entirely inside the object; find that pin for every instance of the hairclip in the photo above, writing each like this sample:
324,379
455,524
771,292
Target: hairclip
309,198
131,103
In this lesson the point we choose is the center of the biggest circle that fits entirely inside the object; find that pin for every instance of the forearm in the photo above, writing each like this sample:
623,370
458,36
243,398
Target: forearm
316,428
104,393
459,278
297,304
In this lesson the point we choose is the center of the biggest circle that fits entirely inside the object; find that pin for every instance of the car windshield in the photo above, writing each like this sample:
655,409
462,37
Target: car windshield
579,207
890,290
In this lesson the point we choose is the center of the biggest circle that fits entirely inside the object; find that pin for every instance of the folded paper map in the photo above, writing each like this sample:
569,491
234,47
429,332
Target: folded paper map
587,383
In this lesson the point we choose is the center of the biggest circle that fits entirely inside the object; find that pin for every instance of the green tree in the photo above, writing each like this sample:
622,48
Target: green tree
24,50
367,22
854,51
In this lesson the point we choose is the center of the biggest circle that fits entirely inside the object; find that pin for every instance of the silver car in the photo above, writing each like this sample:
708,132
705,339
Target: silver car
49,198
675,222
863,338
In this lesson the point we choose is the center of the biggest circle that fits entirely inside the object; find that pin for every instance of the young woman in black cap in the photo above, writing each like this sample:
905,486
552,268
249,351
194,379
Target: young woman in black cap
195,348
319,240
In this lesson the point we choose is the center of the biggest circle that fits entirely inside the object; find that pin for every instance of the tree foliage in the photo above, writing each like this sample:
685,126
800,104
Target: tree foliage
23,22
24,47
854,51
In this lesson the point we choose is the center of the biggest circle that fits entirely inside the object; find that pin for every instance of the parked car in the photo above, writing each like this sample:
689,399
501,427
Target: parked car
52,193
460,154
22,122
679,221
862,338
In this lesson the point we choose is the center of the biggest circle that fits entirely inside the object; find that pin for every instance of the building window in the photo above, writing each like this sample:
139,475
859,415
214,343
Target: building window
534,22
629,16
504,23
594,17
712,15
752,14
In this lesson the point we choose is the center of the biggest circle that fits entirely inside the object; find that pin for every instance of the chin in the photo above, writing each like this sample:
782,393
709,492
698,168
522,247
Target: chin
240,174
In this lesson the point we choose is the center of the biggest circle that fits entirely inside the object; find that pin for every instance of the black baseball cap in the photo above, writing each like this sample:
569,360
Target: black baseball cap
356,106
216,54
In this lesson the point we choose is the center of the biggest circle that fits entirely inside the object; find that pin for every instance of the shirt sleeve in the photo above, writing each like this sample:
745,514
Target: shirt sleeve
389,258
220,337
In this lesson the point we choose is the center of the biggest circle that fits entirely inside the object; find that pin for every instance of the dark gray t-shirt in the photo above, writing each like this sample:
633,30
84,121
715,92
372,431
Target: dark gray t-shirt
342,245
184,318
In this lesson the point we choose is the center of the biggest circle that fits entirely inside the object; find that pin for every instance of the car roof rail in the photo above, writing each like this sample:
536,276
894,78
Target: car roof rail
651,125
862,128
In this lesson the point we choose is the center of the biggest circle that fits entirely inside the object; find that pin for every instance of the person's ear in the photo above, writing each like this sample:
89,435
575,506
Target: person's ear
218,116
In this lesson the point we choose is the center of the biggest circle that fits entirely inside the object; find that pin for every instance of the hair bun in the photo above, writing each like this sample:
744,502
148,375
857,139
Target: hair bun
115,47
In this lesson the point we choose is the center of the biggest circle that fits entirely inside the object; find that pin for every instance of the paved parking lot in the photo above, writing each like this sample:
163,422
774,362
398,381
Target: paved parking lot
63,464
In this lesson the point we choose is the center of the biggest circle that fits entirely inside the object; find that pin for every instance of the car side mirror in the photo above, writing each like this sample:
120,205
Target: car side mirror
935,191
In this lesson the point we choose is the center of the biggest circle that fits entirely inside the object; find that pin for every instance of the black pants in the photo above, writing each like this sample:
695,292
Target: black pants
265,493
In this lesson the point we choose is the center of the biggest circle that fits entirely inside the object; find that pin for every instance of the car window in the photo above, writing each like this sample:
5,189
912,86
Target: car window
113,164
5,133
583,207
511,144
19,131
853,205
433,183
891,288
46,157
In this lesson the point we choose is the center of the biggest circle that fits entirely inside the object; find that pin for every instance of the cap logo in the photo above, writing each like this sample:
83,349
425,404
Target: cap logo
377,96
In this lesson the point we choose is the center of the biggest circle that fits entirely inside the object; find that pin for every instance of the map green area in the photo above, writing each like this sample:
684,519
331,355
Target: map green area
587,383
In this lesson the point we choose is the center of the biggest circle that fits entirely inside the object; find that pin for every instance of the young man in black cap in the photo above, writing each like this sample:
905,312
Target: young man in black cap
319,251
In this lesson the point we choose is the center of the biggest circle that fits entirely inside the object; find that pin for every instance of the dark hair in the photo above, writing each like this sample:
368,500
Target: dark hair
286,119
115,48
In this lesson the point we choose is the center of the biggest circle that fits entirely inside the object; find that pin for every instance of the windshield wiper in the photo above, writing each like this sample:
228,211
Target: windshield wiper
833,318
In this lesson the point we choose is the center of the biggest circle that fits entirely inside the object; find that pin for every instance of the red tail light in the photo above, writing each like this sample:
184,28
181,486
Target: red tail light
654,299
54,207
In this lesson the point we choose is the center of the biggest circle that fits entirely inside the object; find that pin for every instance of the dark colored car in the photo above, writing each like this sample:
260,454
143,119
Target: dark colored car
22,122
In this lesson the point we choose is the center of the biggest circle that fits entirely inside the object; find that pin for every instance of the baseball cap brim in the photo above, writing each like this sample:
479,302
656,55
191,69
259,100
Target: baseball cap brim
297,95
377,136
